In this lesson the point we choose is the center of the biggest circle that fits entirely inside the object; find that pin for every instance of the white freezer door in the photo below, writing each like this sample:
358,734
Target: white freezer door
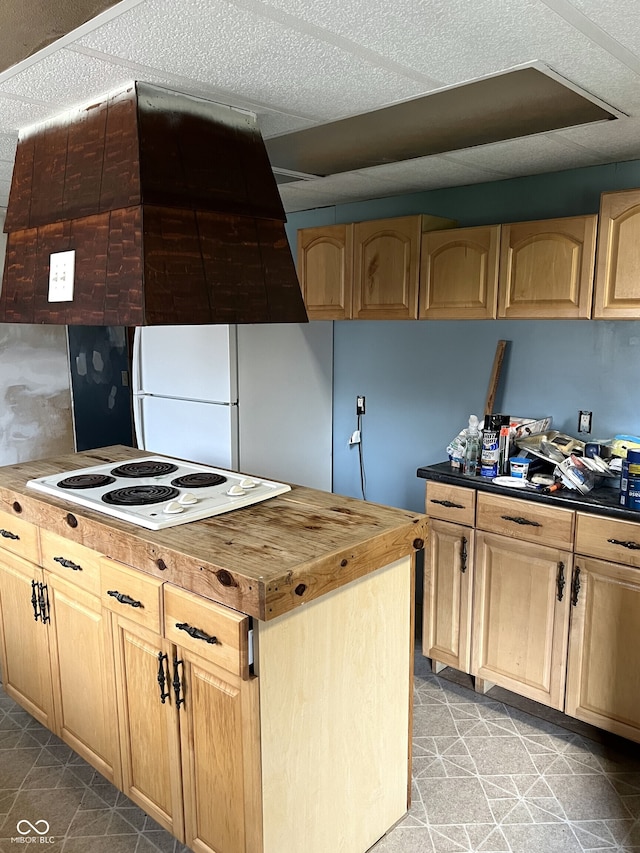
189,362
200,432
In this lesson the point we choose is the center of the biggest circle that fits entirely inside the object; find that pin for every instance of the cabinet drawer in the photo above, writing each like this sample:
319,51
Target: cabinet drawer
20,537
533,522
224,633
608,538
131,593
71,561
451,503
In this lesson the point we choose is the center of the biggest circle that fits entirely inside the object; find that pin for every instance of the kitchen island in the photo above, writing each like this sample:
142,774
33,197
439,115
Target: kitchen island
246,679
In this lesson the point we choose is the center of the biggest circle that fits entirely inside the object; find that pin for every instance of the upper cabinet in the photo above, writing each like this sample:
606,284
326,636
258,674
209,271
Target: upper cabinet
325,270
459,274
365,270
546,268
617,288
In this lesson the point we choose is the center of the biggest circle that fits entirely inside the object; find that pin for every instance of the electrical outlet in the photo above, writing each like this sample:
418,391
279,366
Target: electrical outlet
584,421
61,274
360,405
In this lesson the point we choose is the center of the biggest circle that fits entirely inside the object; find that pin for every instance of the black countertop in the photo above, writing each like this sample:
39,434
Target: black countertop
600,501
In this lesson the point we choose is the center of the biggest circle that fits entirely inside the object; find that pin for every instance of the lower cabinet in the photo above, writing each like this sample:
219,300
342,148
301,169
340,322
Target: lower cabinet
555,610
148,722
446,615
82,676
521,617
24,638
603,684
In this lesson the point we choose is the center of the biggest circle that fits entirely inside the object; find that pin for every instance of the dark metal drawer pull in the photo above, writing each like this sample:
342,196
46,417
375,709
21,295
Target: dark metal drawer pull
463,554
8,534
177,684
561,581
124,599
43,602
67,564
633,546
196,633
34,600
449,504
518,519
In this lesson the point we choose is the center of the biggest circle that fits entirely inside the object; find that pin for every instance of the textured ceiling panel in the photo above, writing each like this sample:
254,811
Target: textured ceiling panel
620,19
241,51
8,144
452,40
16,114
621,142
541,152
427,173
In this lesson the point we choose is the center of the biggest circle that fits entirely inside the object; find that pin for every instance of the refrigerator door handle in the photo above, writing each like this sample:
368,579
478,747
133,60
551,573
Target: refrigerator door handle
138,426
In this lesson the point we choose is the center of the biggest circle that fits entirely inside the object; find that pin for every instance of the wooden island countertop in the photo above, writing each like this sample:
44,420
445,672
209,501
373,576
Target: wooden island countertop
264,560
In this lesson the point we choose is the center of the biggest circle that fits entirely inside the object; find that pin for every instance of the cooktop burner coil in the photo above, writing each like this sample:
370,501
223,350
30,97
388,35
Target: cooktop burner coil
140,495
86,481
199,480
144,468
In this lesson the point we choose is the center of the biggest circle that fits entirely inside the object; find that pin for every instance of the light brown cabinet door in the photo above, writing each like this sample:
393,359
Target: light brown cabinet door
459,274
446,632
148,722
83,676
603,682
219,733
24,641
520,628
617,288
325,270
386,268
547,268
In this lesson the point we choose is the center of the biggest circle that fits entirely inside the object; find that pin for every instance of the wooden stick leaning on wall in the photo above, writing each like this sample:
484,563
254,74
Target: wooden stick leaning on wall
495,377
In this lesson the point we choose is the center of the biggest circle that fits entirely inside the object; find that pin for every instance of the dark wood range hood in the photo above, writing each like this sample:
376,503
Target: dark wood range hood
168,202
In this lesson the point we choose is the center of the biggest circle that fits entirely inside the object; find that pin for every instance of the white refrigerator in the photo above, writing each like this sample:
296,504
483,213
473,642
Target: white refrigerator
256,399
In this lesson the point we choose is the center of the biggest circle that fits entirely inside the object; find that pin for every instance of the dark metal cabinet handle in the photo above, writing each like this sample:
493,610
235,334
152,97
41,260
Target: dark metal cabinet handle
34,600
163,676
196,633
518,519
67,564
43,602
561,581
633,546
575,586
177,684
8,534
449,504
463,554
124,599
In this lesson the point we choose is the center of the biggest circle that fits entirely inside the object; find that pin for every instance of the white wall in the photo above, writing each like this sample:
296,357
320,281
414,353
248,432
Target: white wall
35,400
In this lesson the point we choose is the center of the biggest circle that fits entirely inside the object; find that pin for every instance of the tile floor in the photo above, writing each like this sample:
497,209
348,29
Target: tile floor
487,777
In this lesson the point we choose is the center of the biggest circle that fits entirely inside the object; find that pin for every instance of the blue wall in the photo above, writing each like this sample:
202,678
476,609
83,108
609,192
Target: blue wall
422,379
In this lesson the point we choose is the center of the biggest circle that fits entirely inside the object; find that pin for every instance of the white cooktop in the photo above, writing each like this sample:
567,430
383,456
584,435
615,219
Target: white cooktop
178,492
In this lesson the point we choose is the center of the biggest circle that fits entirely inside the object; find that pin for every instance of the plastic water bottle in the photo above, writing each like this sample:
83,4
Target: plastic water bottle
472,448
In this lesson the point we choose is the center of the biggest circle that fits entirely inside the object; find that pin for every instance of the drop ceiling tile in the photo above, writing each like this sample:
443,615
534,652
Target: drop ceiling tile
15,114
274,124
617,140
523,156
8,144
454,41
619,19
426,173
244,52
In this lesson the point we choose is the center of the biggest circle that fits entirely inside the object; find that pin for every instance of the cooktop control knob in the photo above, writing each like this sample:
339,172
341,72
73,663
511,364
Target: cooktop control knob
187,499
172,508
248,483
236,490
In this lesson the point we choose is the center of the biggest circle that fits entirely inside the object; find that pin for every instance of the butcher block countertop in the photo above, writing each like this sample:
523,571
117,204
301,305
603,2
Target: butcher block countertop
263,560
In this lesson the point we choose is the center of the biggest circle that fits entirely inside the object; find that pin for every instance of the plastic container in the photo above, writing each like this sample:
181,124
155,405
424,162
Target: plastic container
630,480
519,467
472,448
